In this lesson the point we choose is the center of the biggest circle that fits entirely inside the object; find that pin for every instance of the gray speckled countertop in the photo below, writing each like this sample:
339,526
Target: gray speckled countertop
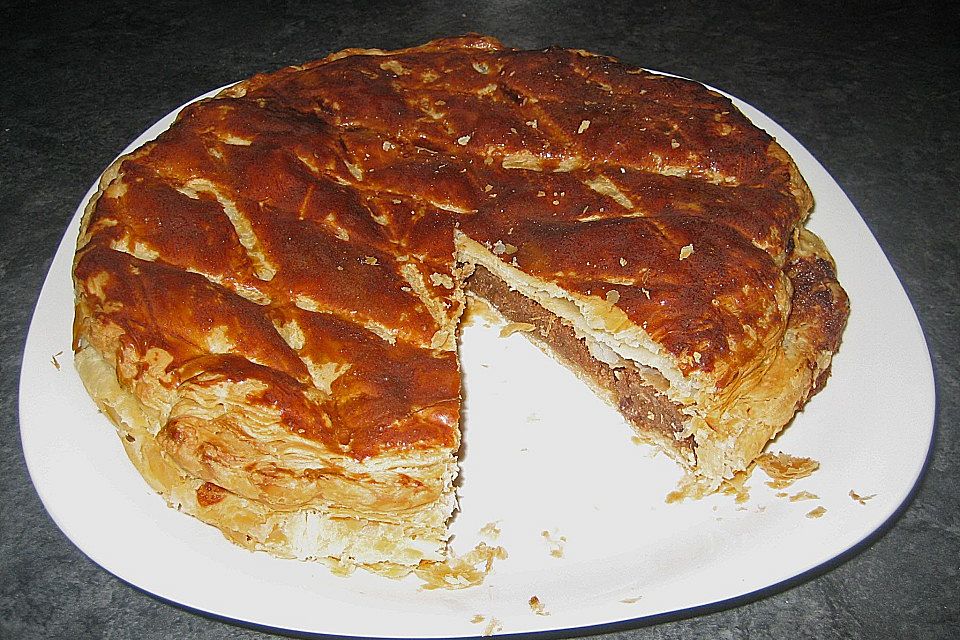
872,93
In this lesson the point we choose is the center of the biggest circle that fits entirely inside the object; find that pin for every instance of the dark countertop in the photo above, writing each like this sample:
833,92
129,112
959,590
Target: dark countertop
871,92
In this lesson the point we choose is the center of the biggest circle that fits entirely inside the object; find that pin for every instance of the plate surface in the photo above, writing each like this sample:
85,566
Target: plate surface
580,507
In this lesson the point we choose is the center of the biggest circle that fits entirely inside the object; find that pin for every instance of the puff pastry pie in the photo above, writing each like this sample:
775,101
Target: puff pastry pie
268,294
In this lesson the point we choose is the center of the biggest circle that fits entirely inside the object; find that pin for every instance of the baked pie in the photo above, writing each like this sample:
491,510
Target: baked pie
268,294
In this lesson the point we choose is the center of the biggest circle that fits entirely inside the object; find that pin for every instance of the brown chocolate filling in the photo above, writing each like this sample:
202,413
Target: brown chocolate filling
633,390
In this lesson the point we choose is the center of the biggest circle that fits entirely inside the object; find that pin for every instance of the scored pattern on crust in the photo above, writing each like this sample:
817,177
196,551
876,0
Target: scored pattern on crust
284,255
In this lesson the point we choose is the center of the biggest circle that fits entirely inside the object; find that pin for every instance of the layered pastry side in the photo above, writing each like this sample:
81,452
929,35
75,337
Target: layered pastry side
268,294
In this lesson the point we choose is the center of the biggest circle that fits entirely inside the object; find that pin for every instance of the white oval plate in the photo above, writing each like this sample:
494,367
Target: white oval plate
547,461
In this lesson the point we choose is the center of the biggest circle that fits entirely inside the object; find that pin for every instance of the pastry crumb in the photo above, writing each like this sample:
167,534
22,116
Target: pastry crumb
584,125
460,572
479,311
633,600
816,513
441,280
686,251
737,485
782,468
490,531
537,607
514,327
693,488
785,469
555,544
861,499
687,487
340,567
492,627
53,359
395,67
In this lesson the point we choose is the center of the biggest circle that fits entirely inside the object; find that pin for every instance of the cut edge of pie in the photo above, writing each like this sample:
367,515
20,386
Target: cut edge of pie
711,439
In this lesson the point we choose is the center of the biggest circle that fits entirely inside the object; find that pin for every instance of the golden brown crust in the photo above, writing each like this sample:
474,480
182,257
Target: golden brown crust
275,282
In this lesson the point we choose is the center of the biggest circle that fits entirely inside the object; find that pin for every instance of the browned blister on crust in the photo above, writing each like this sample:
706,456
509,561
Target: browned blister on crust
268,294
